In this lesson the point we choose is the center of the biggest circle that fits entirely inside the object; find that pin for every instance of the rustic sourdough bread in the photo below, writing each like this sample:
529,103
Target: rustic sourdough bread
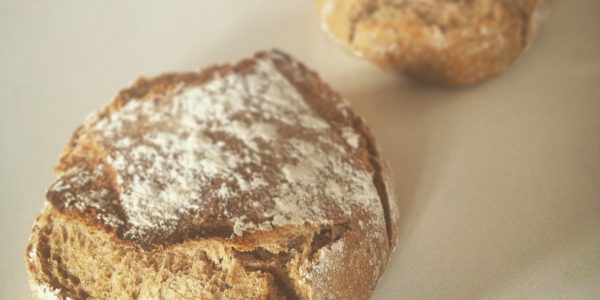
246,181
450,42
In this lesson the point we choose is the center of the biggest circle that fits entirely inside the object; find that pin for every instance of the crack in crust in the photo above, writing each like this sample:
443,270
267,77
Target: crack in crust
378,181
49,266
332,115
261,260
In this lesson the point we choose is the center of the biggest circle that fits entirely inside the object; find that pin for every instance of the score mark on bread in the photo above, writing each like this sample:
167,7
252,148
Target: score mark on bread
246,181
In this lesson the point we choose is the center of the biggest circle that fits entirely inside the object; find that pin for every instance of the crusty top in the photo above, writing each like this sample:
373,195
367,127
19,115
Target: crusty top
446,14
225,152
449,42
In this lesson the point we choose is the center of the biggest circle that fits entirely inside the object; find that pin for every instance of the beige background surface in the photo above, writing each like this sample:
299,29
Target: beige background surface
499,184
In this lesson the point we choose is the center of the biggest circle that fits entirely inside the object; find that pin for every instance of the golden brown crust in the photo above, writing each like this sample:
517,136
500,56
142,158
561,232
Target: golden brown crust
435,41
328,235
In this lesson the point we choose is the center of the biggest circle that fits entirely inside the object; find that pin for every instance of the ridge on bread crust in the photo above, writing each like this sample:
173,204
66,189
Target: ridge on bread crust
261,157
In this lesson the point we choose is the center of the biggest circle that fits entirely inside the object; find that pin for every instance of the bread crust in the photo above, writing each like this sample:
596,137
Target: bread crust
434,41
336,234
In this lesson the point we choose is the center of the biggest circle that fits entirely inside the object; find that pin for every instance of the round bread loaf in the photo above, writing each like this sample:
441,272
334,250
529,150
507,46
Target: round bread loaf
246,181
449,42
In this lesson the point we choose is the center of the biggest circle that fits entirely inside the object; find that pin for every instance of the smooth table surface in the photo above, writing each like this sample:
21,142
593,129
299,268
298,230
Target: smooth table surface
499,183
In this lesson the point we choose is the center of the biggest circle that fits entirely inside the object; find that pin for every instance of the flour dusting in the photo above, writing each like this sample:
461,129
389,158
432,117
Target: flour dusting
243,148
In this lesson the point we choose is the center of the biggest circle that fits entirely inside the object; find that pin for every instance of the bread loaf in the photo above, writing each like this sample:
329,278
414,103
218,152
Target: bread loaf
245,181
448,42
